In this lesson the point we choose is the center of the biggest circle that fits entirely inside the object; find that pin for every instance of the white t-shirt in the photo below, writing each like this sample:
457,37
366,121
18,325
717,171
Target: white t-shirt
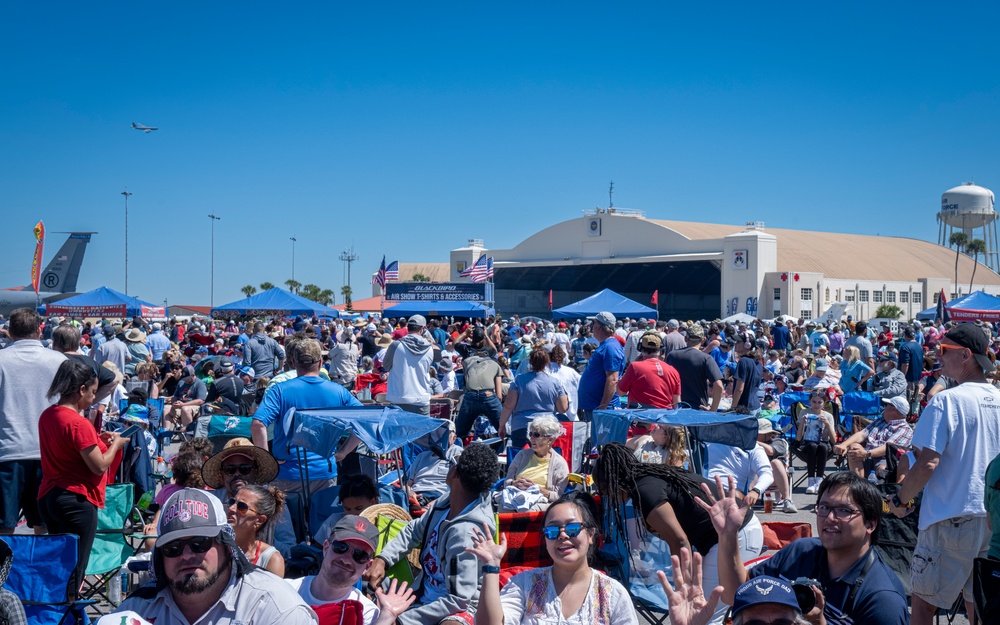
529,598
747,467
963,425
302,586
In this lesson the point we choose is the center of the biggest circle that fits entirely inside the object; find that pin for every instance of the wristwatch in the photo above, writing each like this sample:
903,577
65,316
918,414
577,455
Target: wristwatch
899,504
489,568
758,491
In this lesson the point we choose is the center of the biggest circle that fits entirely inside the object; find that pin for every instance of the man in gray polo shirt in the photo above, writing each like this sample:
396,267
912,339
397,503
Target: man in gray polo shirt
261,351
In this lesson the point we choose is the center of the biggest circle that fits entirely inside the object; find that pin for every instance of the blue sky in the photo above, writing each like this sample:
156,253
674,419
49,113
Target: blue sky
405,128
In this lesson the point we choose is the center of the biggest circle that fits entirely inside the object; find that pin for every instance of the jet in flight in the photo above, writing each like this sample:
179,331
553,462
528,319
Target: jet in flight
146,129
57,281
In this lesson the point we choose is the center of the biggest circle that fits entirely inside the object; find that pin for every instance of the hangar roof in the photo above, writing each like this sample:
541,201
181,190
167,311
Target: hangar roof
851,256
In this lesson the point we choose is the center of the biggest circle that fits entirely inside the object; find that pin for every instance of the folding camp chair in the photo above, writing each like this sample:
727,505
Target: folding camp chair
525,546
42,564
859,404
111,549
637,570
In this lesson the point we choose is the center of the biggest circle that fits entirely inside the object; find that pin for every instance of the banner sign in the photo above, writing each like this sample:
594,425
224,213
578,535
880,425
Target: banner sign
444,291
36,263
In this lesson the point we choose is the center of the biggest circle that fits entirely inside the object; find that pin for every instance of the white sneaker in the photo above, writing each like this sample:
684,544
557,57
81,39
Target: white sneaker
788,506
813,487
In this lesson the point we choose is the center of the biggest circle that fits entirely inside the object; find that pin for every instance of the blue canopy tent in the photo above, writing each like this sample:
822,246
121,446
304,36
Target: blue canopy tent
274,302
440,308
104,302
975,305
381,428
617,305
727,428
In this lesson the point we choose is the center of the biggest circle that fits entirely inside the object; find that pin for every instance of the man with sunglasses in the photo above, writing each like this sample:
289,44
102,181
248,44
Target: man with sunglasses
957,435
202,576
854,584
347,554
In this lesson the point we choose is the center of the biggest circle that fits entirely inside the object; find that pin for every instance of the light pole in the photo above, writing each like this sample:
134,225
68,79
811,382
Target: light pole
126,194
293,240
348,256
214,219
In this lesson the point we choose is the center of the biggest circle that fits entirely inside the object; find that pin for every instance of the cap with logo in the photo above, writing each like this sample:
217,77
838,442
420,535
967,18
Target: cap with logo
190,513
765,590
356,529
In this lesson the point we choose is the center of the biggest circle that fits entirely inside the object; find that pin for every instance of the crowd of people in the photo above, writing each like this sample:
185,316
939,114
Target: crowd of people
223,532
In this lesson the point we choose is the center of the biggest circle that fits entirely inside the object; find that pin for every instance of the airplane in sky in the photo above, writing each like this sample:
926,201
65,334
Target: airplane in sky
146,129
57,281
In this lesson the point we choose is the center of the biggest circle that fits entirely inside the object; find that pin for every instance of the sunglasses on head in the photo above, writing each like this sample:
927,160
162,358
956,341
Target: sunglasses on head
572,530
359,555
241,506
175,548
233,469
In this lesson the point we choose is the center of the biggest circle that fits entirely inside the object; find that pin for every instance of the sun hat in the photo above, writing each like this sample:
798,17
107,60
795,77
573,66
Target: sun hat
385,340
265,469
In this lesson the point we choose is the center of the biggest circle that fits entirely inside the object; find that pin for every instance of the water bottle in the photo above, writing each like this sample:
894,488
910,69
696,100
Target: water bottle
161,466
872,478
115,590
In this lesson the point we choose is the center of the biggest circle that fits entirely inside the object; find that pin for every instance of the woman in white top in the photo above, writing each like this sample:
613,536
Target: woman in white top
252,513
569,377
815,436
570,591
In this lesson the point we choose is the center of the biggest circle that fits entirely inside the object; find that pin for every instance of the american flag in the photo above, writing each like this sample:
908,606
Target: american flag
482,275
380,276
392,271
473,270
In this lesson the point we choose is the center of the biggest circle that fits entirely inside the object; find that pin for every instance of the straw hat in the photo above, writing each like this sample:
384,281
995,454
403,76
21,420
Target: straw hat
267,466
135,335
392,511
384,341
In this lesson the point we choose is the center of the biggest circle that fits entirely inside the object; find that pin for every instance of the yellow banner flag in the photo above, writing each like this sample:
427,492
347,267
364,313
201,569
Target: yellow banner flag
36,263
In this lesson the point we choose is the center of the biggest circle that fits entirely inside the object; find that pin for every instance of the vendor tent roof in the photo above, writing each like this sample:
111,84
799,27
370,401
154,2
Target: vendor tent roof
104,302
975,305
273,302
606,300
439,308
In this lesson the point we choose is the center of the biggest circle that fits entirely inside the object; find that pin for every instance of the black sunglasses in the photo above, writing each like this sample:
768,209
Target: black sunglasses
360,555
572,529
175,548
241,506
233,469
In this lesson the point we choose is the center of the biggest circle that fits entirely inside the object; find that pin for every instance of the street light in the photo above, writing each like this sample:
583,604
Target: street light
293,240
214,219
126,194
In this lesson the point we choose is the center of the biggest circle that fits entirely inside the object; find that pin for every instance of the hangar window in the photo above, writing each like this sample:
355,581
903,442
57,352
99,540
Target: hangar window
917,297
777,295
890,297
807,294
904,297
848,297
863,296
877,297
806,314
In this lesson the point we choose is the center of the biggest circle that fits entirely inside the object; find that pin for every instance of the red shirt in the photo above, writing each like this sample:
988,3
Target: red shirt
63,433
651,382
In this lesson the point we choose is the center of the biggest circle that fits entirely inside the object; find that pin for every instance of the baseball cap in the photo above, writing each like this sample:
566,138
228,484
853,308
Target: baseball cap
604,318
672,323
248,370
353,528
695,331
189,513
188,370
822,364
973,338
108,331
225,365
899,403
762,590
764,426
887,354
416,320
650,340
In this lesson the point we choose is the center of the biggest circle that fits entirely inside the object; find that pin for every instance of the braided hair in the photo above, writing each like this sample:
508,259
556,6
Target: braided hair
618,470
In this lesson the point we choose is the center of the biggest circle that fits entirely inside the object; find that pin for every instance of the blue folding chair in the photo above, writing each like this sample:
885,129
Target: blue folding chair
859,404
637,571
42,564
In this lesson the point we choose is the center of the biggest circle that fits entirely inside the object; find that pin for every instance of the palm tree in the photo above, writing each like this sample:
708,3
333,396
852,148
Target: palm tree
293,285
326,297
419,277
346,292
266,286
975,248
958,240
310,292
249,290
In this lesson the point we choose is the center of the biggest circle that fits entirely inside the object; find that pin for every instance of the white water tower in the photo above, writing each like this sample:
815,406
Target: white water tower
969,208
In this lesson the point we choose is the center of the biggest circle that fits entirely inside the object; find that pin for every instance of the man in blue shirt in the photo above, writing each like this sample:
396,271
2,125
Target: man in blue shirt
158,344
781,336
842,559
599,380
911,362
307,390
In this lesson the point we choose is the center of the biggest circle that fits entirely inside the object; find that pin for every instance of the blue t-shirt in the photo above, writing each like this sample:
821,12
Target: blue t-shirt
537,393
881,599
913,354
851,374
303,392
609,356
780,335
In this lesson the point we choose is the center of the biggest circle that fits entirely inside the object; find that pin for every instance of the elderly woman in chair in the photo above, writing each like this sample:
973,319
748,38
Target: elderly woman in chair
537,467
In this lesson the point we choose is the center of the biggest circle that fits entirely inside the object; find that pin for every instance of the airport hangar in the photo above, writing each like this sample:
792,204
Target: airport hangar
699,269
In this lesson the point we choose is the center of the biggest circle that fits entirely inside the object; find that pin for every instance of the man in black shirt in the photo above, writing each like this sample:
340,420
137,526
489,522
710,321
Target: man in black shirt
698,372
228,388
749,374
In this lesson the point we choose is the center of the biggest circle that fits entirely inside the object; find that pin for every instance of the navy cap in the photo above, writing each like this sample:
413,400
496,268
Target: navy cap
762,590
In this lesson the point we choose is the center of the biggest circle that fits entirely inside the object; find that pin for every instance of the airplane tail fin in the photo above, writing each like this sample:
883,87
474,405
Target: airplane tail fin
63,271
133,125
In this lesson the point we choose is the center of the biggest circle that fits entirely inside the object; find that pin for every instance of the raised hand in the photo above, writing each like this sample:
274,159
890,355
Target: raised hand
397,600
725,512
485,549
688,604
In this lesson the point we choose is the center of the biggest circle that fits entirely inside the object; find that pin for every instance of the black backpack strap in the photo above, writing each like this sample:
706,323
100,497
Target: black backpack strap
869,561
